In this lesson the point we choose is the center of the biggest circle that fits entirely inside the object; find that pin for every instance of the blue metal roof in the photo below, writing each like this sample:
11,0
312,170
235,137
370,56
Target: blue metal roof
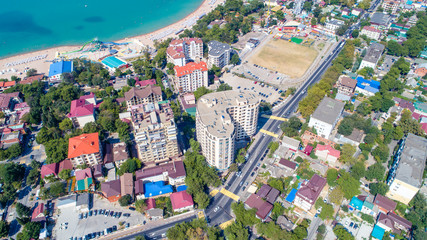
378,232
291,196
356,203
60,68
181,188
156,188
368,85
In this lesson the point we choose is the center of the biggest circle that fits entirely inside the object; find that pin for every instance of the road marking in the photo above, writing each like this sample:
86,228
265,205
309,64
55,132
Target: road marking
269,133
230,194
23,161
226,224
36,147
214,192
278,118
201,214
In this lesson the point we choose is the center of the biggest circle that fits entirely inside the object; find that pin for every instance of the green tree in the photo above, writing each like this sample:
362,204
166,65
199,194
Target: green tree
375,171
22,210
336,196
349,185
236,231
129,166
4,229
223,87
331,177
140,237
278,210
201,91
381,153
342,233
140,205
347,152
202,199
358,170
327,212
233,168
57,189
246,217
125,200
66,124
31,231
65,174
31,72
380,188
277,183
235,60
33,176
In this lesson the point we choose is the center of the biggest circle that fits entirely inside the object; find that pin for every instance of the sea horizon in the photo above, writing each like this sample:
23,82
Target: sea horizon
23,31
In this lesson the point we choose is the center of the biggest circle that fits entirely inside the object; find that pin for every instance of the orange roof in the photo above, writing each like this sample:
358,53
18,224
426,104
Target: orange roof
7,84
190,68
83,144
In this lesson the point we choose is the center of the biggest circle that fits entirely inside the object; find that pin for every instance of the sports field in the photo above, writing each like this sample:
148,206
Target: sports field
285,57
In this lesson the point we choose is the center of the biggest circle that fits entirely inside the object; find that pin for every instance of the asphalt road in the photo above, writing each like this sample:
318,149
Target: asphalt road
259,148
158,232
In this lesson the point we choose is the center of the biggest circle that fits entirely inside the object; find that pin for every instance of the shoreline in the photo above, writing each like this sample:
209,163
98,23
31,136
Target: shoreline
42,66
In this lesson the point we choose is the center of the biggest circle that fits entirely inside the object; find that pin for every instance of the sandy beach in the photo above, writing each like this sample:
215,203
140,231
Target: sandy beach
40,60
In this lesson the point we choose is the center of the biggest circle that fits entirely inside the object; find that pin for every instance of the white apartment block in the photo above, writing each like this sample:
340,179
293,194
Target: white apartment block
222,118
326,116
85,149
181,51
371,32
191,76
219,54
155,132
391,5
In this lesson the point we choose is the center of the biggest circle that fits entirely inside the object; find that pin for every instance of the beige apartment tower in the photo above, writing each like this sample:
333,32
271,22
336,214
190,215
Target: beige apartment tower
222,118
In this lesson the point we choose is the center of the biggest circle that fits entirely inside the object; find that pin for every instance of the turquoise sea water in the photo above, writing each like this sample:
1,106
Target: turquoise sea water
28,25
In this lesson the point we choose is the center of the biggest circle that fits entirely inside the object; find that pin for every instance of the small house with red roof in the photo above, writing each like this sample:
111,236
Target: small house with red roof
85,149
111,190
181,201
263,208
38,213
65,165
34,78
327,153
82,110
6,85
151,203
308,149
144,83
384,204
49,170
84,179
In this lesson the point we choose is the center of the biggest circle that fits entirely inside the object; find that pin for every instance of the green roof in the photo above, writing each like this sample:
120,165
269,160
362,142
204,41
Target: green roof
84,184
191,111
420,106
368,205
162,102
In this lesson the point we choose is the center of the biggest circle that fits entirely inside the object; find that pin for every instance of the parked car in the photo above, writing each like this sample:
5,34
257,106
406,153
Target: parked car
80,216
126,215
90,213
111,213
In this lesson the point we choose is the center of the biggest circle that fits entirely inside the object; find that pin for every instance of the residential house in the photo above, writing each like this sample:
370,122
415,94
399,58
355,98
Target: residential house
49,170
326,116
188,103
405,177
139,189
327,153
111,190
31,79
85,149
346,85
84,179
144,83
173,172
393,223
98,171
10,137
263,208
390,6
307,195
82,110
64,165
285,223
56,69
384,204
38,213
355,204
371,33
289,165
148,94
155,213
334,24
126,184
115,154
290,143
421,70
373,55
356,11
355,138
367,87
420,108
191,76
6,84
9,100
181,201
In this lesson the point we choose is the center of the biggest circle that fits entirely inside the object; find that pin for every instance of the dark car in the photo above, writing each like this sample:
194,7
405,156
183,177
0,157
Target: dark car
107,212
95,212
252,174
119,215
126,215
31,157
116,214
90,213
114,228
132,208
80,216
111,213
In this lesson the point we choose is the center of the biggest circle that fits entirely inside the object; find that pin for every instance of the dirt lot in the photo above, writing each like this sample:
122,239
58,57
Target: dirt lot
285,57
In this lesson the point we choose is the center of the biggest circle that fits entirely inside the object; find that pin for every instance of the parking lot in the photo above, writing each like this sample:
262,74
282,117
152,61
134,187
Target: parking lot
266,93
68,225
357,228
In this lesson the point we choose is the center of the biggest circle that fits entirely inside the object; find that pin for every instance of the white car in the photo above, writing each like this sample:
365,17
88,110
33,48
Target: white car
216,209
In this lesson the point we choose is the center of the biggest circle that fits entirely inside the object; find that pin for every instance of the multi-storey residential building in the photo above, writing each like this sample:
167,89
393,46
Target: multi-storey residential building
326,116
346,85
406,174
82,110
391,5
221,119
155,132
219,54
307,195
334,24
191,76
181,51
371,32
85,149
148,94
373,54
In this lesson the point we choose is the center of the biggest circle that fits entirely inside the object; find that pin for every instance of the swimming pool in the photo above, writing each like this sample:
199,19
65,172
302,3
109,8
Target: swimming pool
113,62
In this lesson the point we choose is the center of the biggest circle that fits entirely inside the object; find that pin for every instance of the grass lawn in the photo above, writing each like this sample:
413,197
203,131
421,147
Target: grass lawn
285,57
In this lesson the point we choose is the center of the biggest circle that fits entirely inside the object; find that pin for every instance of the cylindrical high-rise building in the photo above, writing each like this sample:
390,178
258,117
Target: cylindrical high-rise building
221,119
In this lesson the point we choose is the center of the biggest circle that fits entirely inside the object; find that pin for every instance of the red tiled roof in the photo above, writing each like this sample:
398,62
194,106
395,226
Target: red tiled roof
139,187
385,203
263,207
38,212
82,174
49,169
143,92
331,151
175,52
151,203
181,200
83,144
311,191
190,68
29,80
65,164
264,190
288,163
146,82
371,29
126,184
7,84
79,108
424,127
